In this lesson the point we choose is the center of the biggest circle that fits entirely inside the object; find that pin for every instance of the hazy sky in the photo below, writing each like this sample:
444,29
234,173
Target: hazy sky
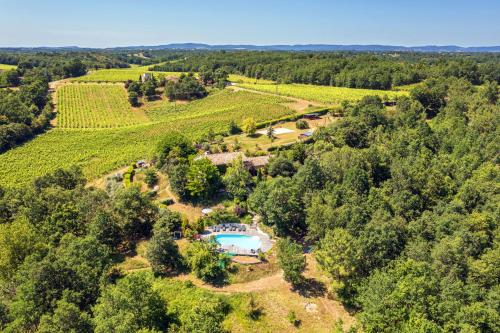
105,23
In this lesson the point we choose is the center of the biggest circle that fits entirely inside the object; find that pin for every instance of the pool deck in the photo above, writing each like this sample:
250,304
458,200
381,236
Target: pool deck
267,243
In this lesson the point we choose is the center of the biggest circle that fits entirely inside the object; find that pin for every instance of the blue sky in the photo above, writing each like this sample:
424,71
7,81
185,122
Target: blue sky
106,23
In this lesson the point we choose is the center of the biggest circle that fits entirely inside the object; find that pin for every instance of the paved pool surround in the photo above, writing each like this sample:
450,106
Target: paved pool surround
266,242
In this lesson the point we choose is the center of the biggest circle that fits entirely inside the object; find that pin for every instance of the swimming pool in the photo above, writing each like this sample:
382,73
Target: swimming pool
240,241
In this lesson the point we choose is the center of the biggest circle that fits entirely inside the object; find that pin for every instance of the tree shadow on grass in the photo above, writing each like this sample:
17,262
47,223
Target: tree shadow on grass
311,288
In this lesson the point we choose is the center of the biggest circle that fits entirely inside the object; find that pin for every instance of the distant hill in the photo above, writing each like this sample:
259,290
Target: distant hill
298,47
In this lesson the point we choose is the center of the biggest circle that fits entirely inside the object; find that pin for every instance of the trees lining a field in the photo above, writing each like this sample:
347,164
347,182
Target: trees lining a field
24,113
341,69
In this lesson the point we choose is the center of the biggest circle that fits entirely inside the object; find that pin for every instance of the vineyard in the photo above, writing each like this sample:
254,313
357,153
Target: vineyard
4,67
95,106
99,151
238,104
244,79
120,75
323,94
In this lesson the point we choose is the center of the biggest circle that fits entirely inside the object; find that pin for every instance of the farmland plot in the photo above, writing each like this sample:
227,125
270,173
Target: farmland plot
120,75
322,94
100,151
95,106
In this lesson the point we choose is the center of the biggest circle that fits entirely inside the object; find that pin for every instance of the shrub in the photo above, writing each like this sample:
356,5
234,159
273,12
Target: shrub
233,128
151,178
291,260
167,201
133,98
249,126
128,176
206,262
301,124
292,318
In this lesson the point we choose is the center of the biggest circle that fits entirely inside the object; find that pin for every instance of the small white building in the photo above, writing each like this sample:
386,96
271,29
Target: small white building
146,77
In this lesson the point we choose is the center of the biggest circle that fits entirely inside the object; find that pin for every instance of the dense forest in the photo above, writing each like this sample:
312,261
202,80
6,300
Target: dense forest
353,70
401,210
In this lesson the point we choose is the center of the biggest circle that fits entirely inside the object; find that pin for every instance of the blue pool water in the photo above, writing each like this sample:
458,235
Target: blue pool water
241,241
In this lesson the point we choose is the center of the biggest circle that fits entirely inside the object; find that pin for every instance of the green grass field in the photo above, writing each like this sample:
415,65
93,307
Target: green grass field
322,94
95,106
100,151
4,67
120,74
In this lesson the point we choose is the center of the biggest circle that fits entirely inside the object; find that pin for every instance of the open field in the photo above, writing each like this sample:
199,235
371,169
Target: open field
244,79
4,67
99,151
95,106
244,103
120,74
273,296
407,87
258,143
323,94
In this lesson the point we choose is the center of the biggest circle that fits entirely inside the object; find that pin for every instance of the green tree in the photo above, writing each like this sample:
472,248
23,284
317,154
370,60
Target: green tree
233,128
281,166
186,88
249,126
206,315
168,220
150,177
136,212
238,180
163,252
391,297
105,229
75,268
220,78
130,305
133,98
203,179
206,262
148,89
490,92
337,254
280,204
171,141
17,241
67,317
291,260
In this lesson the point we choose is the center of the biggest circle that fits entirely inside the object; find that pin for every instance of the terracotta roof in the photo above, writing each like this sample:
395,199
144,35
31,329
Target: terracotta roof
223,158
228,158
257,161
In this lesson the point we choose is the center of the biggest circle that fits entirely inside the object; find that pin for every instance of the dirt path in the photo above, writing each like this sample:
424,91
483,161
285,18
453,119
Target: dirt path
265,284
298,104
312,304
